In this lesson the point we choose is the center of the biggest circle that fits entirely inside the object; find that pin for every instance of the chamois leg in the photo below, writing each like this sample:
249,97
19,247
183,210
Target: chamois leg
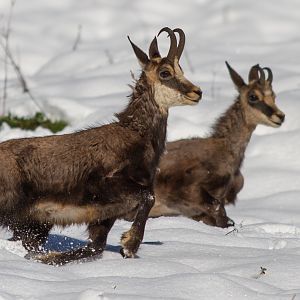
237,185
132,238
97,234
32,234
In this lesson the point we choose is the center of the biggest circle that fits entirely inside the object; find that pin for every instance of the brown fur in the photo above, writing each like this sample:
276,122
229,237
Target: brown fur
94,176
199,176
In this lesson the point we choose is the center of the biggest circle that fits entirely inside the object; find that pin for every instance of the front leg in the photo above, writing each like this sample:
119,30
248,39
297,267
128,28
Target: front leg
132,238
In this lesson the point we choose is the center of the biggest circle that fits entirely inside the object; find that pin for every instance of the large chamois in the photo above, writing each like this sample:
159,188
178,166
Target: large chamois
199,176
97,175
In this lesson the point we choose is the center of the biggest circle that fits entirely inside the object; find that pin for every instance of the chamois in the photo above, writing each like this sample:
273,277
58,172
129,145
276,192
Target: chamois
199,176
97,175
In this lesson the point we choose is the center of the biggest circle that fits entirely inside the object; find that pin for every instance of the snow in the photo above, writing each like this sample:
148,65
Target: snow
179,258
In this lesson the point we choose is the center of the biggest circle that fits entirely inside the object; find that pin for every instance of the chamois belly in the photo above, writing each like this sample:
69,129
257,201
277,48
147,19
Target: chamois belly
68,214
98,200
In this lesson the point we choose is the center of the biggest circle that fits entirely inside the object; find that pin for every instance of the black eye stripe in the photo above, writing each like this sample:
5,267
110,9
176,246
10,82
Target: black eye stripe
264,108
177,85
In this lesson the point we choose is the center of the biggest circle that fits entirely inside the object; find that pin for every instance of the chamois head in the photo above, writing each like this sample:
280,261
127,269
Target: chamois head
165,75
257,97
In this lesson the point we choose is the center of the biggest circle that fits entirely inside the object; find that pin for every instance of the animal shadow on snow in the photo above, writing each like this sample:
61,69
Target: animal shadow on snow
61,243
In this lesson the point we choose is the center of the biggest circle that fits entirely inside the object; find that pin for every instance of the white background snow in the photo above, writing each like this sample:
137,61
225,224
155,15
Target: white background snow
179,259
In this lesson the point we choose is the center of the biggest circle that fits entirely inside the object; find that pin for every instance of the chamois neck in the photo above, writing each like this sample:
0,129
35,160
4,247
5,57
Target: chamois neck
144,115
233,127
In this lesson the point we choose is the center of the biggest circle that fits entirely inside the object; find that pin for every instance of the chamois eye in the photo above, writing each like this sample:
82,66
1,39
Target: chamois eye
165,74
253,98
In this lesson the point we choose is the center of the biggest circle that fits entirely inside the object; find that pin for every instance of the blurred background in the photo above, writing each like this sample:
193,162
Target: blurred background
65,65
76,57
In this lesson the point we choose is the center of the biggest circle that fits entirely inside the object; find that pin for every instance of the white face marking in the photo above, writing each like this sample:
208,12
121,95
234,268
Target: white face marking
166,97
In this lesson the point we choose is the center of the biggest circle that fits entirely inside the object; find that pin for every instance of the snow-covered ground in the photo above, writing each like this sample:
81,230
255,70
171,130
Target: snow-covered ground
179,259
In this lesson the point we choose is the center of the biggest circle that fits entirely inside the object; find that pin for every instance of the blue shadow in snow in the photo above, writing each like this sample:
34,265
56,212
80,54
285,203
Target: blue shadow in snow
61,243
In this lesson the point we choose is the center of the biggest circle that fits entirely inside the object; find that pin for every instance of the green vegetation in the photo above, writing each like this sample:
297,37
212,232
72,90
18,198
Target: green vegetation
31,123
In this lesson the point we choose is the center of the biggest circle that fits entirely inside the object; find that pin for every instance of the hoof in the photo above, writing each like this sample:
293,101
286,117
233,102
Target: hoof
224,222
127,254
230,222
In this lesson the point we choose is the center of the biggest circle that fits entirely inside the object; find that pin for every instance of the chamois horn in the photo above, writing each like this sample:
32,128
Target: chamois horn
262,77
173,46
270,74
181,43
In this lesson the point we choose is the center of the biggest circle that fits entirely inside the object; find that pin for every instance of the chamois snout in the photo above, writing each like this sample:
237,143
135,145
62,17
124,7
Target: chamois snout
195,95
198,92
278,118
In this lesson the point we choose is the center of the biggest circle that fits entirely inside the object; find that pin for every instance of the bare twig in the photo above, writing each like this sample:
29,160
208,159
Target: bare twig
294,297
9,58
109,57
78,38
261,273
233,230
6,35
213,95
20,76
187,57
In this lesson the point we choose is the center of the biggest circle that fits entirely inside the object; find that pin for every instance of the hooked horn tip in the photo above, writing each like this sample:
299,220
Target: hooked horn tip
164,29
173,47
177,29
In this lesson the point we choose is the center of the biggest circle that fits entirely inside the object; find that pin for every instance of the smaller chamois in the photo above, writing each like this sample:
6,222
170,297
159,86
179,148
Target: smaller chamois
97,175
199,176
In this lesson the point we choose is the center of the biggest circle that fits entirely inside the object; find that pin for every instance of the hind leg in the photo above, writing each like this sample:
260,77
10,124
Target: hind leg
97,234
32,234
237,185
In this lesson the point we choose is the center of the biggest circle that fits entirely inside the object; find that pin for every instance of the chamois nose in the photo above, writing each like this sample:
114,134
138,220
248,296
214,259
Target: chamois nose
198,92
281,116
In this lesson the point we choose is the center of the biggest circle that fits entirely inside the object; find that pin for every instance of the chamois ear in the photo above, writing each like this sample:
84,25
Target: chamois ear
140,54
253,73
236,78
